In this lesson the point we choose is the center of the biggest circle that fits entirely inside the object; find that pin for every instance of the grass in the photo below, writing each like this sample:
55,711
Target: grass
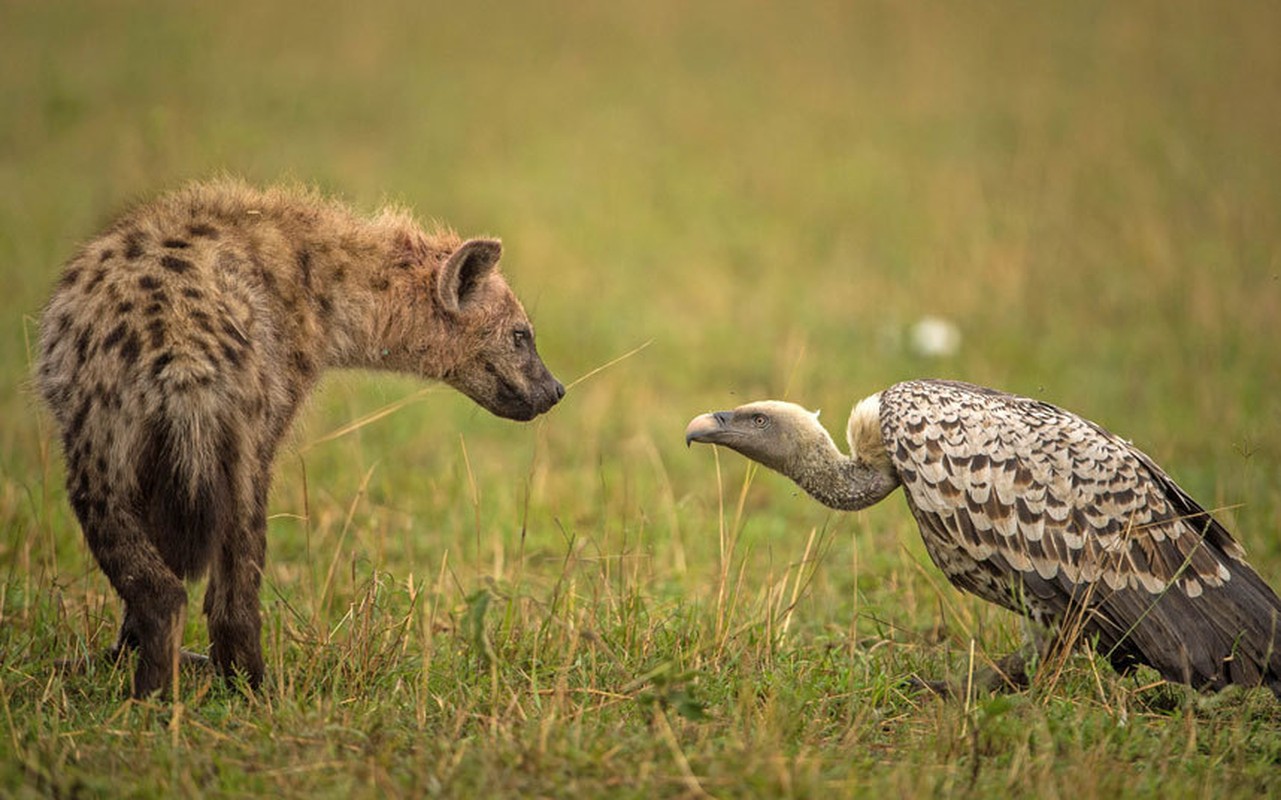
768,196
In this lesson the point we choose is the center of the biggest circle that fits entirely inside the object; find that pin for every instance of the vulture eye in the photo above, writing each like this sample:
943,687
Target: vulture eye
760,420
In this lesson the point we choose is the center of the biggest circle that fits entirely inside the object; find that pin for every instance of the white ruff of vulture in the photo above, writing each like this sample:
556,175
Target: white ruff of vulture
1040,511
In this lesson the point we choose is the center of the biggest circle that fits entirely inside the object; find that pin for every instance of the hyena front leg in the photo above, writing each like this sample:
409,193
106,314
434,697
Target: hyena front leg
154,596
231,598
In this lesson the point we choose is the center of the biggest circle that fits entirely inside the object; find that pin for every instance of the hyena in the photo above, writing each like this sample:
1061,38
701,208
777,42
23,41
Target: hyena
178,346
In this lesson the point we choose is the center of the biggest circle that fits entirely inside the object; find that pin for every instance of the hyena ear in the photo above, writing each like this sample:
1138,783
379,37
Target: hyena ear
463,272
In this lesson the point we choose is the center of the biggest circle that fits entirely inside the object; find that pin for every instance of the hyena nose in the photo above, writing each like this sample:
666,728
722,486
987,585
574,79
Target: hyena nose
558,389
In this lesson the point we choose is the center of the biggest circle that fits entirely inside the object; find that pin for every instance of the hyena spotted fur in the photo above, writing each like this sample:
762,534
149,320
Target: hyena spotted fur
178,346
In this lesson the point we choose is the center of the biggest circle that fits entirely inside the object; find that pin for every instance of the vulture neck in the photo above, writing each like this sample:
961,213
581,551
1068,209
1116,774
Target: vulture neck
848,483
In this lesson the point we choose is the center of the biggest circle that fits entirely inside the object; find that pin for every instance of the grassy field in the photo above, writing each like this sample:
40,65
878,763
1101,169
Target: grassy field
750,199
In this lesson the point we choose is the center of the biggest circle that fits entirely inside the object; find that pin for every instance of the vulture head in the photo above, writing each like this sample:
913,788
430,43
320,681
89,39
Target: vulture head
781,436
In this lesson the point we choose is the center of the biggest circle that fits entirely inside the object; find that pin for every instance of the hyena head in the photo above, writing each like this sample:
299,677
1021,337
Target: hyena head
499,366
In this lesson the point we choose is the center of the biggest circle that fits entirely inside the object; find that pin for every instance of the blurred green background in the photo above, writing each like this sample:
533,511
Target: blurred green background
770,195
767,195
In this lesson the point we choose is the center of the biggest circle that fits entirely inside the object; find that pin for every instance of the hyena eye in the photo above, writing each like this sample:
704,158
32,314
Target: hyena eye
521,337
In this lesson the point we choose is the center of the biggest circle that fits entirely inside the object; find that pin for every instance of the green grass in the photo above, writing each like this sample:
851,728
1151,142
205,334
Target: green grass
767,195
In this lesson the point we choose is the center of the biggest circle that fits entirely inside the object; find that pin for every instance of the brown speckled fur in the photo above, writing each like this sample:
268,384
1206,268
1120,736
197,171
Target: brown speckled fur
177,348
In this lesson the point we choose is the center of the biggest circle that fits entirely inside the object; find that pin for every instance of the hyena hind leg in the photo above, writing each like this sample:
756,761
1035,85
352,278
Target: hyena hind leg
129,641
231,597
154,596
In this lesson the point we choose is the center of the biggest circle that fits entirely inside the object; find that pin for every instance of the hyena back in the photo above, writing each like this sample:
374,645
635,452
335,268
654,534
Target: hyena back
178,346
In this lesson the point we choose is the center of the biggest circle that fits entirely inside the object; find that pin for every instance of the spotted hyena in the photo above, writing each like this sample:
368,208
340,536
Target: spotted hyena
178,346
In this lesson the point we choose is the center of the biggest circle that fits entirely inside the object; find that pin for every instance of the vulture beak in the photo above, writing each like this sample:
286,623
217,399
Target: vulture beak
707,428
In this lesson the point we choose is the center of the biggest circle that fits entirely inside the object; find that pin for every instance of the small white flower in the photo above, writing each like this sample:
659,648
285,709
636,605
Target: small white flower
935,337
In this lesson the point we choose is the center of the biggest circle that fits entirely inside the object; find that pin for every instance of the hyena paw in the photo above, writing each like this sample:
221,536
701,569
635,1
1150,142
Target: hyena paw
244,661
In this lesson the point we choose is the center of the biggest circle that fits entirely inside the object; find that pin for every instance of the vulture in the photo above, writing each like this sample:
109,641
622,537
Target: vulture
1042,512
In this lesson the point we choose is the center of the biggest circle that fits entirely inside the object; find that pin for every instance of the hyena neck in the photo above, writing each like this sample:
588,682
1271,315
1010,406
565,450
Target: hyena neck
382,314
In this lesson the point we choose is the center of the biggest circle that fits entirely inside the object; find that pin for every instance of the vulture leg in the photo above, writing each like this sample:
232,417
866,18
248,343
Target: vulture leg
1007,674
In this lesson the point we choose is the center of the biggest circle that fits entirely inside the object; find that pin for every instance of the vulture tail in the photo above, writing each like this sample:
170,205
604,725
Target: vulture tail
1229,634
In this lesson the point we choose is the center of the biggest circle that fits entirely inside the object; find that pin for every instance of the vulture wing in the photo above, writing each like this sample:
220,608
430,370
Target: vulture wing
1043,512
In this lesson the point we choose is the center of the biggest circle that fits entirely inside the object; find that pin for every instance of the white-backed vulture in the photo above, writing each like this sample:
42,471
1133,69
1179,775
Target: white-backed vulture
1043,512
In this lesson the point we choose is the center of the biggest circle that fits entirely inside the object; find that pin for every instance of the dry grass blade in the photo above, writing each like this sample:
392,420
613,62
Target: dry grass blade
370,418
393,407
608,364
327,590
687,776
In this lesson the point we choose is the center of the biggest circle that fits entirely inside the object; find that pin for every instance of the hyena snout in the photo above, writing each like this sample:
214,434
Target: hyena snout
524,393
512,383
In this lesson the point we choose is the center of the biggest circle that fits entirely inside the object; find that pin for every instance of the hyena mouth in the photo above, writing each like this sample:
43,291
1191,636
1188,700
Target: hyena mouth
511,402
